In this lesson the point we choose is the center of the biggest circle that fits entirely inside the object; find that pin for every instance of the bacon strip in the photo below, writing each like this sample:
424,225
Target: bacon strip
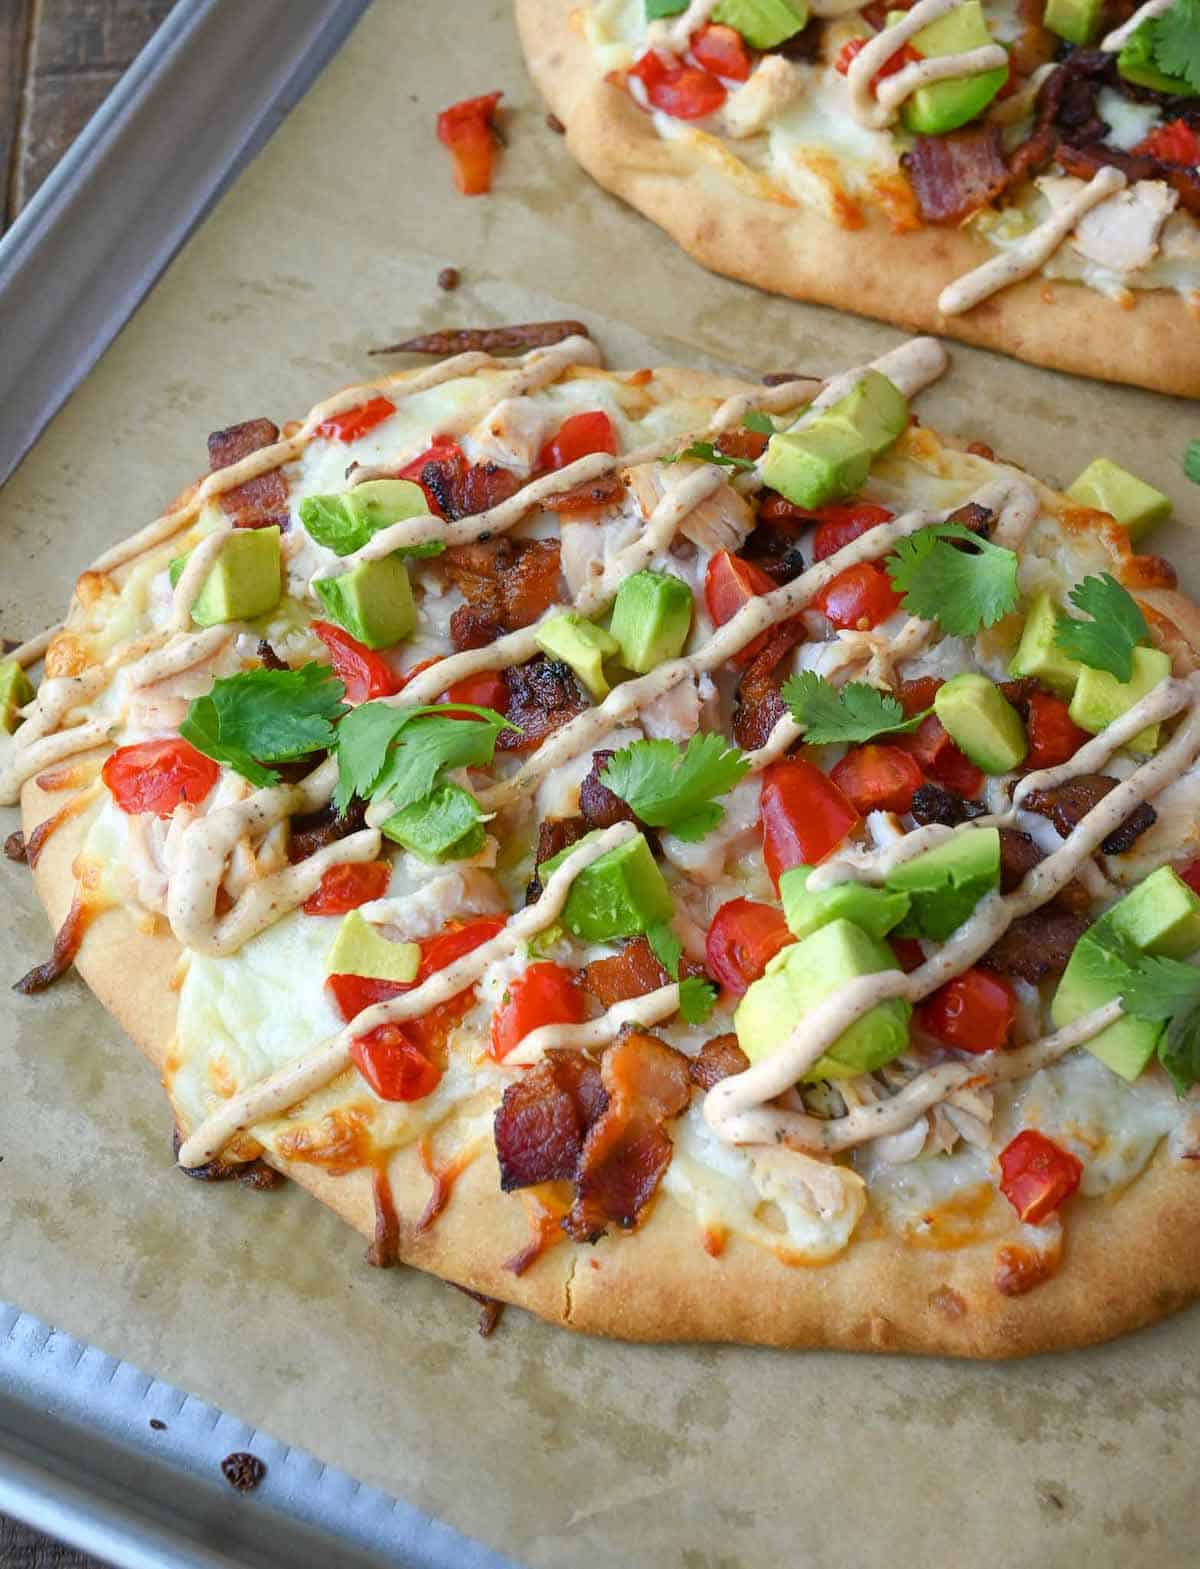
261,501
955,175
718,1059
489,340
513,581
1067,804
543,696
1037,945
541,1122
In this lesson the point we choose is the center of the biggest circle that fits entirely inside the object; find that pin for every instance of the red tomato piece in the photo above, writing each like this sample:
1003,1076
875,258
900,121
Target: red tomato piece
916,696
974,1012
443,450
155,776
910,955
545,994
466,129
1054,737
803,815
1174,142
684,91
394,1065
957,772
743,938
938,756
1191,874
730,583
578,436
1037,1175
895,62
722,50
440,951
488,689
358,421
366,675
860,596
841,524
346,886
877,778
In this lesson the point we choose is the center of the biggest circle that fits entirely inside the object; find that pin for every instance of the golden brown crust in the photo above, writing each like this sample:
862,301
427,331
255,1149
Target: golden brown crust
872,270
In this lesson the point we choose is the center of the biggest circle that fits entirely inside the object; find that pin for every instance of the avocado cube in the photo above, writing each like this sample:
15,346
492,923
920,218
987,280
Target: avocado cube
651,619
1160,916
876,409
1106,487
944,106
803,975
15,691
823,462
581,644
1075,20
345,523
946,883
244,583
1100,698
979,718
1096,975
443,826
875,910
373,601
762,23
1038,655
358,949
622,894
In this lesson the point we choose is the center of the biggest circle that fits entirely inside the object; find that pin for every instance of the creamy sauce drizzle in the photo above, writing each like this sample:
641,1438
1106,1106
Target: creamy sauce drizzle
652,1008
191,580
876,109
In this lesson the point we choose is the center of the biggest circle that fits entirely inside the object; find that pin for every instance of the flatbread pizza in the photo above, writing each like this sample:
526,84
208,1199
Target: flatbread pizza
1021,174
694,859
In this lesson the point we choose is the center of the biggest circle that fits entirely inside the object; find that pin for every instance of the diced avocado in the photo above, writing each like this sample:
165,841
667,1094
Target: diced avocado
443,826
944,106
651,619
830,457
358,949
620,895
875,409
1160,916
762,23
1100,698
1136,63
946,883
1075,20
245,581
581,644
1109,488
803,975
1096,975
15,691
345,523
979,718
373,601
1038,655
875,910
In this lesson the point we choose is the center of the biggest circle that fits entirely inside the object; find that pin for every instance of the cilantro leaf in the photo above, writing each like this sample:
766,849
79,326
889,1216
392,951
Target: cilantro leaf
762,423
665,947
400,753
1179,1050
852,713
1107,641
672,787
697,998
1191,462
705,452
266,716
1177,42
1161,988
962,590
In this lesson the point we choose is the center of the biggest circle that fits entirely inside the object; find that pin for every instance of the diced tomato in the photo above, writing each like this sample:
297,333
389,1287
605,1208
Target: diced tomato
1054,737
916,696
910,955
1191,874
155,776
853,47
938,756
723,51
730,583
803,815
358,421
488,689
974,1012
842,522
347,885
440,951
366,675
743,938
577,437
957,772
878,778
1174,142
393,1064
466,129
545,994
1037,1175
860,596
353,994
684,91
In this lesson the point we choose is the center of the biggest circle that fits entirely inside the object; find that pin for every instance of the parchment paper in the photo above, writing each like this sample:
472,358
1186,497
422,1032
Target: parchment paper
555,1449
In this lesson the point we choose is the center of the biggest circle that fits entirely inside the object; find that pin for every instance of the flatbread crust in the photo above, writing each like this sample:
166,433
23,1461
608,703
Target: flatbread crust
721,222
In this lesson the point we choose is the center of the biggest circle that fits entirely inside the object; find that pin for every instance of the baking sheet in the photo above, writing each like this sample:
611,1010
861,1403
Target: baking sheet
552,1449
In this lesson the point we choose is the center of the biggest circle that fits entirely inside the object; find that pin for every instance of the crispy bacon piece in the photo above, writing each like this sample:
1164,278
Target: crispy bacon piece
473,628
1083,162
1037,945
314,830
270,659
489,340
775,551
742,443
543,696
718,1059
932,804
541,1122
460,489
1018,857
627,1150
973,516
590,495
955,175
554,835
759,706
600,807
1067,804
631,973
259,501
513,581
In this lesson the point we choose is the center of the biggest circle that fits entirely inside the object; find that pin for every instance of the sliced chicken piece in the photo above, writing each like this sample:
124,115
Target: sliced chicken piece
512,434
721,521
1123,232
773,84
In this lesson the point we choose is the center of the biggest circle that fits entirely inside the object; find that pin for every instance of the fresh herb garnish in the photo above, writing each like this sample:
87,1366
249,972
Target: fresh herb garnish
672,787
962,590
266,716
665,947
1176,39
705,452
1164,989
852,713
1117,627
1191,462
399,754
762,423
697,998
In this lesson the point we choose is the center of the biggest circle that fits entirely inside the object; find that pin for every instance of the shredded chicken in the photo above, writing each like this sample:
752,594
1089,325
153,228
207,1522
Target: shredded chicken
773,84
720,522
1123,232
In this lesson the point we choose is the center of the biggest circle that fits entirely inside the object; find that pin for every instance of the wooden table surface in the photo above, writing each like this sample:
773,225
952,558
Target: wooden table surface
59,59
